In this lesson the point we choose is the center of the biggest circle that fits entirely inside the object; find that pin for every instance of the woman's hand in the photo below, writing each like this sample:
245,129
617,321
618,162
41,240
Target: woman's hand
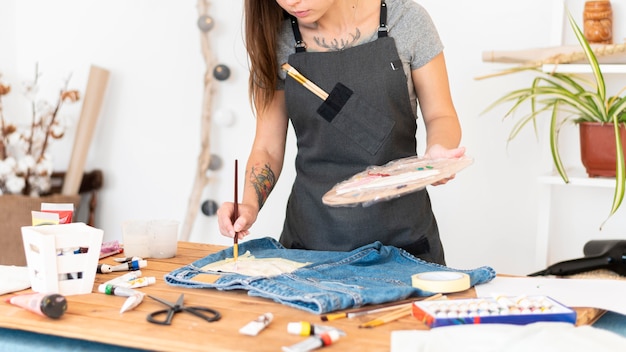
241,226
440,152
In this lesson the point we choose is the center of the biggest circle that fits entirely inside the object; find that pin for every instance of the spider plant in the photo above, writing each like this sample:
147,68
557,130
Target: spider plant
568,97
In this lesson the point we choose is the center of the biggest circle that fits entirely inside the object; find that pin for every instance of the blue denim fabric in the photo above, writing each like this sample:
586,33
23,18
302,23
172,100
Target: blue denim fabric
371,274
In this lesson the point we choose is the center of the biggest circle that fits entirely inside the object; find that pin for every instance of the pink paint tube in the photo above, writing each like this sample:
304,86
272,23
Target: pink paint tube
51,305
65,211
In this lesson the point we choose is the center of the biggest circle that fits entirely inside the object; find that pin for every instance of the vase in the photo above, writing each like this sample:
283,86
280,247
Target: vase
15,212
597,148
598,22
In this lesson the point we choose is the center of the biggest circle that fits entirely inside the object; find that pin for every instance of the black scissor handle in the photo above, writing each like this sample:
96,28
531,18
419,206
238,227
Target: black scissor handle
169,314
201,312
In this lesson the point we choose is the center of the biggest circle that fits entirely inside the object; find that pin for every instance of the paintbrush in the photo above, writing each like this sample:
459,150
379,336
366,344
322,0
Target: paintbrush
304,81
235,216
395,315
355,312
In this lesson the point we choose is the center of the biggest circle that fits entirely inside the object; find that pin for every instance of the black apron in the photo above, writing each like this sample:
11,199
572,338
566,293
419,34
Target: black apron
367,120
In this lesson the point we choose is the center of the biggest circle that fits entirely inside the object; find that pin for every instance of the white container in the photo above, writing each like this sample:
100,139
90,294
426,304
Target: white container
54,265
150,238
163,238
135,238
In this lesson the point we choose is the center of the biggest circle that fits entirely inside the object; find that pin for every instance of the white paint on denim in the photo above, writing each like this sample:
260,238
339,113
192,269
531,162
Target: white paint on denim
248,265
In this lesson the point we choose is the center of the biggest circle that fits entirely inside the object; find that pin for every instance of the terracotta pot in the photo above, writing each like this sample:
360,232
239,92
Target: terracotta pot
597,148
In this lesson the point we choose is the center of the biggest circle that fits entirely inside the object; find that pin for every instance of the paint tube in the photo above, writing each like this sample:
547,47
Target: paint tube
314,342
134,297
65,211
126,277
304,328
134,265
48,305
138,282
44,218
254,327
132,302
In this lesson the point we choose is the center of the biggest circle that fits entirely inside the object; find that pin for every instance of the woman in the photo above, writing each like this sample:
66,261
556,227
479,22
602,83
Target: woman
376,58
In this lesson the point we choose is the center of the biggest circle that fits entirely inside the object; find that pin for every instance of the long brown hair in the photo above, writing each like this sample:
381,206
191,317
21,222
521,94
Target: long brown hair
263,20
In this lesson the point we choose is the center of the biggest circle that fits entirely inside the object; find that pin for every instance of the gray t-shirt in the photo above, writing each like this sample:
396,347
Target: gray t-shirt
409,24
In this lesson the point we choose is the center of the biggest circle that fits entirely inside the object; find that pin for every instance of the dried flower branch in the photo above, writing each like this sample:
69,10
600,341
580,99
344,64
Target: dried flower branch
25,166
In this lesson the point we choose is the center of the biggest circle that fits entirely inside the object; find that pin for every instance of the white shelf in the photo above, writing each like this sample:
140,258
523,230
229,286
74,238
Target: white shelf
584,68
578,177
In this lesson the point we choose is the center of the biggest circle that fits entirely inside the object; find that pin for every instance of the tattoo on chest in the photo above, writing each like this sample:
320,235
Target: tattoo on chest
338,44
263,180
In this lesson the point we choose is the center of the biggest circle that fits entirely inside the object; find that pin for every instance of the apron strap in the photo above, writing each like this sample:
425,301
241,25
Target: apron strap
301,45
382,29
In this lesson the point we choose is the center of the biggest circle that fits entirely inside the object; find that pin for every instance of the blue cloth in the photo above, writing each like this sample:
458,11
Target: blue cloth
371,274
25,341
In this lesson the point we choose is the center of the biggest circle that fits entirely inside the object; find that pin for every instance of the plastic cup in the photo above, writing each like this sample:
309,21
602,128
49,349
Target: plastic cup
135,238
163,238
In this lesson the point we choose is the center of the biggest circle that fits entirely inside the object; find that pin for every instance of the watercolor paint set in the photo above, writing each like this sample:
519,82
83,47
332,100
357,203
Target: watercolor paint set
497,310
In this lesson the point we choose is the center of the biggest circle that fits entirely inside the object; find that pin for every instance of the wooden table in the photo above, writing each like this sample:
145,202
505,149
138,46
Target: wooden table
96,317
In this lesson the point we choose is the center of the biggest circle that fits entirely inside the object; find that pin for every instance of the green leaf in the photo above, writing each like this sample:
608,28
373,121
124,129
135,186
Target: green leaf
583,100
554,134
591,57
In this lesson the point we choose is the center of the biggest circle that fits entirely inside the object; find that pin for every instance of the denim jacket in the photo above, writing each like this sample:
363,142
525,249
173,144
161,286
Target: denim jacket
371,274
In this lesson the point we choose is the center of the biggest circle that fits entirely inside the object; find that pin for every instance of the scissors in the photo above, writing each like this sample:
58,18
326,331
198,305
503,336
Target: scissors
205,313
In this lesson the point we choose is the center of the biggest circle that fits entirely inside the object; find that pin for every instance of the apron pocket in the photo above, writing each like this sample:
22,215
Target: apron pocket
354,117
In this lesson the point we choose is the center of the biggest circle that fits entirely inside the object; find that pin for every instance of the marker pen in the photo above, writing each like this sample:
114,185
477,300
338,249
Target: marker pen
48,305
314,342
132,265
304,328
71,251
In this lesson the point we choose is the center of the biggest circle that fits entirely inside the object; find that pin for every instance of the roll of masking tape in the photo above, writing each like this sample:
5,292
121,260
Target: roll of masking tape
441,281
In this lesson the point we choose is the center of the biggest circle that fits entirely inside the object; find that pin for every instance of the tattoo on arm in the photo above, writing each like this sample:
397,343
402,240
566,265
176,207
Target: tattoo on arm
263,181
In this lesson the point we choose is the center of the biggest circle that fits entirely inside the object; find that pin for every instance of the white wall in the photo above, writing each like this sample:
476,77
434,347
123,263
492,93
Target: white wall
147,139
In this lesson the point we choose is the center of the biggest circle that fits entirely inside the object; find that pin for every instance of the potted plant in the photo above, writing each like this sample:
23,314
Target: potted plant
570,98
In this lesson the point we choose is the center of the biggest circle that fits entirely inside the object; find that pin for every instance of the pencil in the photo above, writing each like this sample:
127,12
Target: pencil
235,216
304,81
395,315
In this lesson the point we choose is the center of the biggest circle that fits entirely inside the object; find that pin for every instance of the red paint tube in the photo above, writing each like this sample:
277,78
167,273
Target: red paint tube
65,211
51,305
314,342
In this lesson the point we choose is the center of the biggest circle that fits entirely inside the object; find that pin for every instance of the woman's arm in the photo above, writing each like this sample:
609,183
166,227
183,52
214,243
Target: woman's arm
263,168
443,130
